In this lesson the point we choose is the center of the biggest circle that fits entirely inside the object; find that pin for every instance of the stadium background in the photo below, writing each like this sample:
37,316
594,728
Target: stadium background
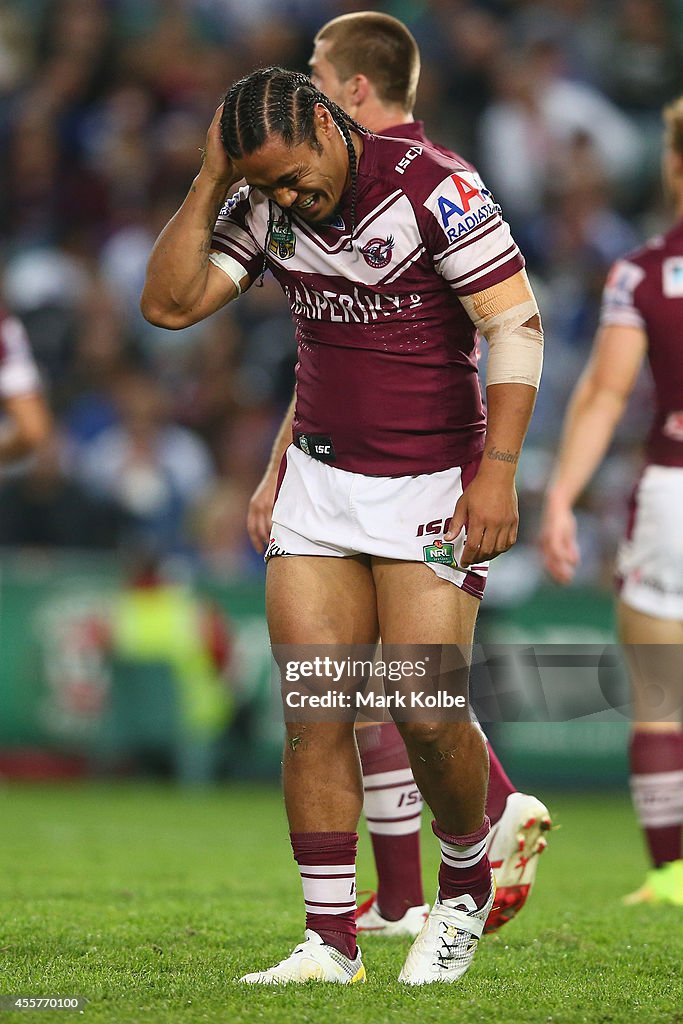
162,436
134,895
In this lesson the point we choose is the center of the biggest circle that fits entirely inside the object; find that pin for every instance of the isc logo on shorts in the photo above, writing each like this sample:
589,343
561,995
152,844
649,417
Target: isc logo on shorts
436,526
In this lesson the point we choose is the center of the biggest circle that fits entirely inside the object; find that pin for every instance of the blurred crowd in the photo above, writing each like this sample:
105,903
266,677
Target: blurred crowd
104,106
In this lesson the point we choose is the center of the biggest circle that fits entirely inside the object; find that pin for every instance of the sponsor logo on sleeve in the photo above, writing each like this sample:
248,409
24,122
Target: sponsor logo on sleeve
672,277
461,203
230,203
622,281
228,206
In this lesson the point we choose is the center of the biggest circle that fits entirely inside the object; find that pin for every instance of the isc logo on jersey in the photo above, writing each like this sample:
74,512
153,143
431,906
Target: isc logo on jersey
461,203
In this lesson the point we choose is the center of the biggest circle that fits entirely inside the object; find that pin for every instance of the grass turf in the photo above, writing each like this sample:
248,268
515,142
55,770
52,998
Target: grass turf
150,902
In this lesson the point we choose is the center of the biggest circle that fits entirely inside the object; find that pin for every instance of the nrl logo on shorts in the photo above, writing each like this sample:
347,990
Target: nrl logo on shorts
282,242
440,553
378,251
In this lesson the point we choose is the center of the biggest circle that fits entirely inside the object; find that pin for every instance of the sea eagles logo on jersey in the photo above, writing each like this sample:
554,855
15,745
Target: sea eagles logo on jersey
282,241
461,203
378,251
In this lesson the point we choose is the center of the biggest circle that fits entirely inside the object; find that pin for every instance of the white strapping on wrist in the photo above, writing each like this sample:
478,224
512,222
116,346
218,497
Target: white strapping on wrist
515,358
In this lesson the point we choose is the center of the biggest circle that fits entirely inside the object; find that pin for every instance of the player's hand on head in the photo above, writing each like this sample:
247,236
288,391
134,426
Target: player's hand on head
260,511
215,161
558,543
488,512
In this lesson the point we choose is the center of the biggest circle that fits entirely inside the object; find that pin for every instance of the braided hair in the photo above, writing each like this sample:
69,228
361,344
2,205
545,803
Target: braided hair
273,101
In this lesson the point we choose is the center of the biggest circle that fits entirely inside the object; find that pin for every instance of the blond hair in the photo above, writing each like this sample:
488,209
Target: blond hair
379,47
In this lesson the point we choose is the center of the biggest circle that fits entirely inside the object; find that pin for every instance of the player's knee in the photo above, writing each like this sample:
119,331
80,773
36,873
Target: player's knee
307,736
425,735
438,740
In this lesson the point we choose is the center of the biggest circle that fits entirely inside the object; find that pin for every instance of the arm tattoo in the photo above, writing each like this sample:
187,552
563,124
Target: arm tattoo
204,250
205,245
502,456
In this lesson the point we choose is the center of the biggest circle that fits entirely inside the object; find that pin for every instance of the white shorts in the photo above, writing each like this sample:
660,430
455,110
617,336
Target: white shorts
650,559
320,510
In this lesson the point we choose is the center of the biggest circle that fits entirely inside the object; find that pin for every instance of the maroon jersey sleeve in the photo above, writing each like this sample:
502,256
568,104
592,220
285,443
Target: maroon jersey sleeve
619,306
233,235
645,291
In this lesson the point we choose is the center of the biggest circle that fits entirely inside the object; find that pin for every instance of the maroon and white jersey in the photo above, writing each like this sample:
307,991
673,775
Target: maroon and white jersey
415,130
645,290
386,372
18,372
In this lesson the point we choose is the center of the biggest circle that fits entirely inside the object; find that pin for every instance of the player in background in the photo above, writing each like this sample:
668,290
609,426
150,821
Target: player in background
25,420
369,64
642,316
391,257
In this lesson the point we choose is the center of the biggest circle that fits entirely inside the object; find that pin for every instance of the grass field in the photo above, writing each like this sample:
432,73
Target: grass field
150,902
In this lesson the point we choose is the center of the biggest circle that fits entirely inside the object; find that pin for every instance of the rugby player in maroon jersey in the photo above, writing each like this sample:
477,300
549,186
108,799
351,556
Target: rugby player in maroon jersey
369,64
25,420
642,316
391,257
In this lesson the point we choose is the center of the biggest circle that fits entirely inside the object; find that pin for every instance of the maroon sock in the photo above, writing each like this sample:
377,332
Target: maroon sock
465,867
327,865
657,789
499,789
393,811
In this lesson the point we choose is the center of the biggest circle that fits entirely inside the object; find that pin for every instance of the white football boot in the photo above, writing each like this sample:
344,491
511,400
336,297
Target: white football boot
313,960
513,846
445,948
369,919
